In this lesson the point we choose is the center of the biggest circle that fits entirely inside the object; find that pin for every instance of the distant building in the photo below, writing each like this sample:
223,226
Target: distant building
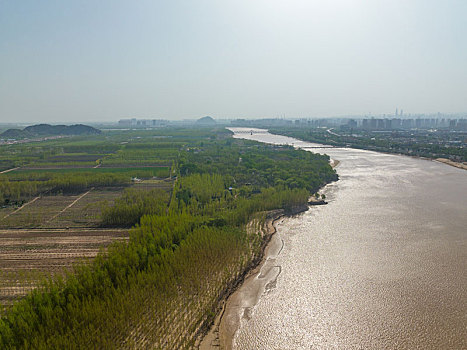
352,123
407,123
396,123
124,122
365,124
155,123
387,124
462,124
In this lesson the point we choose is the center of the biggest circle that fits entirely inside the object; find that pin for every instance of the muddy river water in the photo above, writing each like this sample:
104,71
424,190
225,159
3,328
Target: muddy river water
382,266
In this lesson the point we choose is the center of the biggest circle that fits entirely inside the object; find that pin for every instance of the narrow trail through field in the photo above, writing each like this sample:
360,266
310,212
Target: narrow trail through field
21,207
8,170
70,205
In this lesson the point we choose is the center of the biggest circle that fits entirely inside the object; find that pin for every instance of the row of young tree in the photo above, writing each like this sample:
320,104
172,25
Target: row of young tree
16,192
211,196
259,165
132,205
162,287
99,305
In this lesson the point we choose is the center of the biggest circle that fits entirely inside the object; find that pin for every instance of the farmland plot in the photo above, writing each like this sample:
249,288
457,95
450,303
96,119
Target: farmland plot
87,210
27,255
56,221
49,234
37,212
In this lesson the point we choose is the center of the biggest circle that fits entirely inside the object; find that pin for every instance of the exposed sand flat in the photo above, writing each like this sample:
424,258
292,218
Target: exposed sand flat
239,304
334,162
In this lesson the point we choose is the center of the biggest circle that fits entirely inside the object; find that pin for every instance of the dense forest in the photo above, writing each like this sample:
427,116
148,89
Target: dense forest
187,248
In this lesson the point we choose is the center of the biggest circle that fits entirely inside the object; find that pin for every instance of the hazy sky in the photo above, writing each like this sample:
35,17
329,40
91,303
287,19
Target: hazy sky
106,60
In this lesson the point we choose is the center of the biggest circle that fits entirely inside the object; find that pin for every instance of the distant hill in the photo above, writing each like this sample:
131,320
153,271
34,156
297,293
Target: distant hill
206,121
15,134
46,129
49,130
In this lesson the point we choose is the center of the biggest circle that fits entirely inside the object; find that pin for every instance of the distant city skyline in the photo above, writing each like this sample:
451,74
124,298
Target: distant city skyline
103,61
158,122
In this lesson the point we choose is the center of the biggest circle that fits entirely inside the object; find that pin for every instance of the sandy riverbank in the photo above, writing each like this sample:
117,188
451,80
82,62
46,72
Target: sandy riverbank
334,162
258,280
452,163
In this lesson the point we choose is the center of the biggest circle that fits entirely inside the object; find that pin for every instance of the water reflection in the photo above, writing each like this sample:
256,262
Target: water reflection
382,266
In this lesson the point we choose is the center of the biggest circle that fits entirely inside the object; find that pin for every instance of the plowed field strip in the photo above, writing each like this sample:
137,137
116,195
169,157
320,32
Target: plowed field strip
17,210
60,232
40,242
70,205
26,255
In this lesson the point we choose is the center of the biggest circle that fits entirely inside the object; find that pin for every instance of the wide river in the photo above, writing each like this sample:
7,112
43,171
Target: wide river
382,266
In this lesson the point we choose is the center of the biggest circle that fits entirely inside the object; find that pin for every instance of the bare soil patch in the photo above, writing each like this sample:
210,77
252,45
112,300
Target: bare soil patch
27,255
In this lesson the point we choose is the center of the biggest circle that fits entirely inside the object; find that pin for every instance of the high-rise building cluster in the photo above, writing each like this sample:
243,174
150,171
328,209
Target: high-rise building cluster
405,124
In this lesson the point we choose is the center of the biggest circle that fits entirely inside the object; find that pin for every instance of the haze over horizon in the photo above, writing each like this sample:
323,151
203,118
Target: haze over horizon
93,61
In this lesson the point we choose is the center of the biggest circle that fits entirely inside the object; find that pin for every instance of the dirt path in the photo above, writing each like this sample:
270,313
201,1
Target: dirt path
21,207
8,170
70,205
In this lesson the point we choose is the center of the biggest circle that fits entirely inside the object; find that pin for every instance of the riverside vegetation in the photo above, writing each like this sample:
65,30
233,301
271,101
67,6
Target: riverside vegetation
421,143
188,244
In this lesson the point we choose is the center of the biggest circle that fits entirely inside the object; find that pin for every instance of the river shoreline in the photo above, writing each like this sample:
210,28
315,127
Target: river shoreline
451,163
375,262
221,333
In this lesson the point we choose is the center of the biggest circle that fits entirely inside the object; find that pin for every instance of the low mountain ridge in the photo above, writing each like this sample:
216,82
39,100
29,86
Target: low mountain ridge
206,121
15,134
49,130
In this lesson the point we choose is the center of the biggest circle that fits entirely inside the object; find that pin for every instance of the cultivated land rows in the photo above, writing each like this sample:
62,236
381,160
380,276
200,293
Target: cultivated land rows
50,233
27,255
